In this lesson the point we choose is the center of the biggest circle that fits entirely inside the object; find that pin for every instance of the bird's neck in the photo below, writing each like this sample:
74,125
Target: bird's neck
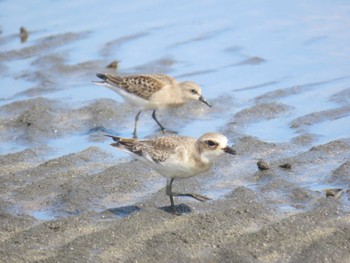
203,159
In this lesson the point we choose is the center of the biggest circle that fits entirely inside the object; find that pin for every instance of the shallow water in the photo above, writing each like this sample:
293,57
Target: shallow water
242,54
338,128
296,42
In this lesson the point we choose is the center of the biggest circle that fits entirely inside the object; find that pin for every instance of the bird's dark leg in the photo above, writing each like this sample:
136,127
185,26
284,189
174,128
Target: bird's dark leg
155,118
198,197
136,121
171,194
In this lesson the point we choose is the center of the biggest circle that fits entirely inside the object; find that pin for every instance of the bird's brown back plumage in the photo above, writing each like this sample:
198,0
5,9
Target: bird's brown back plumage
143,86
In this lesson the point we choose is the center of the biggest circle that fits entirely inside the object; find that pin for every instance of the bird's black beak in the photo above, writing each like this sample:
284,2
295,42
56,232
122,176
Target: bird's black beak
229,150
204,101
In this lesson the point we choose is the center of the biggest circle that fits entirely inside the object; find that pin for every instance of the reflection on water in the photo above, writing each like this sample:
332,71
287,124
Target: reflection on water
338,128
44,215
273,130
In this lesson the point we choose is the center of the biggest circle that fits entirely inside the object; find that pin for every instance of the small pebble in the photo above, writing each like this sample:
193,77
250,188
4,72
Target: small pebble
23,34
335,192
262,165
286,166
113,65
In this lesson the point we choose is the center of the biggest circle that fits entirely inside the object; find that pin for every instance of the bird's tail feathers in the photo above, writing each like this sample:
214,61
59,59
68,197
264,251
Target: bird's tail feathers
108,79
123,143
102,76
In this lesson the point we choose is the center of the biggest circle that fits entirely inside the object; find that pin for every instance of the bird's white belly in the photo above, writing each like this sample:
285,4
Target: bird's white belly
178,170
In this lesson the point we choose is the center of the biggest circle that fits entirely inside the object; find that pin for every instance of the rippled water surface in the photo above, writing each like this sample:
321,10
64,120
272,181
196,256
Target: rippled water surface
239,49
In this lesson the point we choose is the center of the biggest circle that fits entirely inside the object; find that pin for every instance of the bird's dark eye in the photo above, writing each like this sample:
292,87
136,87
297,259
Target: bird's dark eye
193,91
211,143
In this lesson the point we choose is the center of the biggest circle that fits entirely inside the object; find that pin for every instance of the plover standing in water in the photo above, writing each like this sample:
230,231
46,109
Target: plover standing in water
152,92
177,157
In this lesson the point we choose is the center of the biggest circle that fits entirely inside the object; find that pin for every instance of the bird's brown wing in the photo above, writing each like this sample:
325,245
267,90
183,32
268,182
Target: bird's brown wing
143,86
156,150
164,78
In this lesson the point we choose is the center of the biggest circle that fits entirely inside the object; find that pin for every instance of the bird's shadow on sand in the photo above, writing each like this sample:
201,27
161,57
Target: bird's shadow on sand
179,209
124,211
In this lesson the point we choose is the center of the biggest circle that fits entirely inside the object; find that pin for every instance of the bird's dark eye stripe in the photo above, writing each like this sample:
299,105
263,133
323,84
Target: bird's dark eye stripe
193,91
211,143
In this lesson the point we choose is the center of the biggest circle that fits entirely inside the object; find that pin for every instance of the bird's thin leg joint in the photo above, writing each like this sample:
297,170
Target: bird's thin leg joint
155,118
171,194
198,197
136,121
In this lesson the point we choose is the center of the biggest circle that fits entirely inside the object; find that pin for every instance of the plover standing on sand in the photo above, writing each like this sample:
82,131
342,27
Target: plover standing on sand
177,157
152,92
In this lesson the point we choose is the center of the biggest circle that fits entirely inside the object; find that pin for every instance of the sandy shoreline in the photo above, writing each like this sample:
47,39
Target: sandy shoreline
269,218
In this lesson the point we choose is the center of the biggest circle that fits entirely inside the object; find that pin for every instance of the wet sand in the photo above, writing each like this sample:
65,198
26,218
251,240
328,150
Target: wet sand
67,196
65,209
